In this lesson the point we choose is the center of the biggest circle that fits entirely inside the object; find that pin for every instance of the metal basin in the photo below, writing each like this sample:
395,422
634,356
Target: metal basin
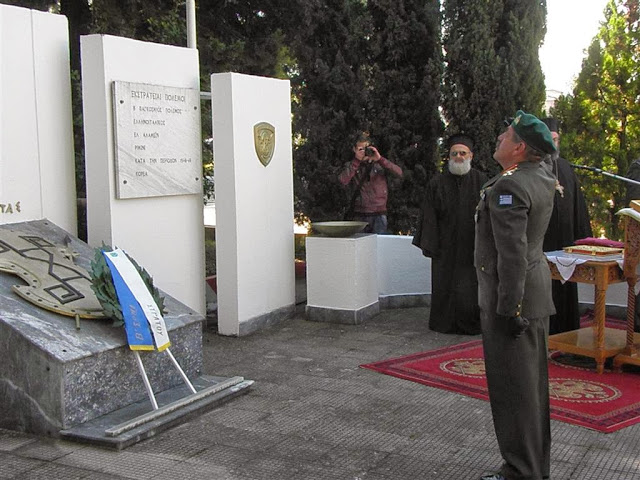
338,229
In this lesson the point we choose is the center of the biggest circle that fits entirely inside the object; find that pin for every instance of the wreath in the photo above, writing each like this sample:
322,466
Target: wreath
102,285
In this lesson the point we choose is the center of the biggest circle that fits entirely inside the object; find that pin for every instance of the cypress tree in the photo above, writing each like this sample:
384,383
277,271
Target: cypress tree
405,95
372,66
492,67
330,83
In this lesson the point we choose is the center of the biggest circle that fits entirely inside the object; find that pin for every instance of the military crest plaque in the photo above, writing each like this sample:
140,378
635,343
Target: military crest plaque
264,140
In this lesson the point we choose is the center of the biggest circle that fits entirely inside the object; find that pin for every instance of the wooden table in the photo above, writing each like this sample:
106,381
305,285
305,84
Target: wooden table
597,342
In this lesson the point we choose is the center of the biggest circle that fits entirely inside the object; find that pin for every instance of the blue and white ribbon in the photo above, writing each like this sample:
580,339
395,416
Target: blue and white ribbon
142,317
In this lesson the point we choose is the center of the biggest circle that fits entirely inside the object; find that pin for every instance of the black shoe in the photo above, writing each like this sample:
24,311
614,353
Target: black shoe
493,476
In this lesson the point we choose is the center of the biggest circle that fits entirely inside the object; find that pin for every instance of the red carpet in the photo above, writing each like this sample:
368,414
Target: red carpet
579,396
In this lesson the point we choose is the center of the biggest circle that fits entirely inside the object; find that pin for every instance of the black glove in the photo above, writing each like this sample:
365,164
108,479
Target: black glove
515,325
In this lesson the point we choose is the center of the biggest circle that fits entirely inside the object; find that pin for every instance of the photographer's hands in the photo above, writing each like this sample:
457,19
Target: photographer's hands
375,155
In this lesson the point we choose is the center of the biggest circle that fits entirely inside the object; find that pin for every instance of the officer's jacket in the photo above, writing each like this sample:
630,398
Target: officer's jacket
511,220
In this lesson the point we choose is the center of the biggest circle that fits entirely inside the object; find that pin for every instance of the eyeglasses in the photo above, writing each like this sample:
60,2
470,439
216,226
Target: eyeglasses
459,154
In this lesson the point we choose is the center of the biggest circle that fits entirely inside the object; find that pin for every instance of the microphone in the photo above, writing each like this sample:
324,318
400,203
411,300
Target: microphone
602,172
584,167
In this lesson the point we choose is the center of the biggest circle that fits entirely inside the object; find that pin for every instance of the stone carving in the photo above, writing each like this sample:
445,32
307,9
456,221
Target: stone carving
54,281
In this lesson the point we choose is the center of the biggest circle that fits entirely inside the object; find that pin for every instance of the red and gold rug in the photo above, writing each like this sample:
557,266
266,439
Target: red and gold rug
606,402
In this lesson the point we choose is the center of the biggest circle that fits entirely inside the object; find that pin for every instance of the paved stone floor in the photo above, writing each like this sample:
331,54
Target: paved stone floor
314,414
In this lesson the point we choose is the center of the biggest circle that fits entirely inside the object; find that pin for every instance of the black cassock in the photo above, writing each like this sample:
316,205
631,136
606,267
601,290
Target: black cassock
446,233
569,222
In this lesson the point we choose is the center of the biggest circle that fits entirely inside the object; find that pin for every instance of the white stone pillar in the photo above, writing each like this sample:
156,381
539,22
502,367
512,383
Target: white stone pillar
254,202
164,234
37,166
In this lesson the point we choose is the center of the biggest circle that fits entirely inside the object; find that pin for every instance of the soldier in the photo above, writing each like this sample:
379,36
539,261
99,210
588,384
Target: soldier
514,292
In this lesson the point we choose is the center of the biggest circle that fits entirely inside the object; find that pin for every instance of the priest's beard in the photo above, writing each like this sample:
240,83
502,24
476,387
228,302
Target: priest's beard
460,168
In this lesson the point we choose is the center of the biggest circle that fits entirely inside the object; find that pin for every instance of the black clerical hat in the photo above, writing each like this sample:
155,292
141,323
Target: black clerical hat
460,139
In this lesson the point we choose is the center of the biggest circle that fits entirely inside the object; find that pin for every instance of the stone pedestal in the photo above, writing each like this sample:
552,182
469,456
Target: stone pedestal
54,376
342,279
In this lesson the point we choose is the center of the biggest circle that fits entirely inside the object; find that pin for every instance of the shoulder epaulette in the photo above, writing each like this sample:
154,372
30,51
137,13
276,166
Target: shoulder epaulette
510,171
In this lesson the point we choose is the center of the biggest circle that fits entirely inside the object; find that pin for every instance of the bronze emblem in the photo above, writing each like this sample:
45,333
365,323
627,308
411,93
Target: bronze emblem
54,281
264,139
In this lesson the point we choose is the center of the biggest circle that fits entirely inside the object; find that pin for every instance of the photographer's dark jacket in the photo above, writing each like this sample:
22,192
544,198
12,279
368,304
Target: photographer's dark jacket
371,181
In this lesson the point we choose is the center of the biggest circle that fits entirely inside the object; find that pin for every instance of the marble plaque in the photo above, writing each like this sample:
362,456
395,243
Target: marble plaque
157,140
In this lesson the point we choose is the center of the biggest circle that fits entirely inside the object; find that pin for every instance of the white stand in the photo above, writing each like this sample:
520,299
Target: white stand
342,278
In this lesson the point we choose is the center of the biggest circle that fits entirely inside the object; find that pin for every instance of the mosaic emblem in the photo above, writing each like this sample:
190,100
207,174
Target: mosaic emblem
582,391
264,140
54,282
466,367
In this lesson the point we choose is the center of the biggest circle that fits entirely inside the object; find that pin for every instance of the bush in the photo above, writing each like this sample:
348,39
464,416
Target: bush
209,257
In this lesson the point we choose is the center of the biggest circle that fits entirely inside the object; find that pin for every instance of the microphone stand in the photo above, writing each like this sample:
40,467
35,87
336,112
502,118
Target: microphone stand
598,170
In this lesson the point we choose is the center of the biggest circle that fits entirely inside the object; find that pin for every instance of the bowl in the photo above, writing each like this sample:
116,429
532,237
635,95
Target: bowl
338,229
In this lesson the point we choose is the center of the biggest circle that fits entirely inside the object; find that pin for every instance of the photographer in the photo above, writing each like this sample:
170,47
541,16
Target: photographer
368,172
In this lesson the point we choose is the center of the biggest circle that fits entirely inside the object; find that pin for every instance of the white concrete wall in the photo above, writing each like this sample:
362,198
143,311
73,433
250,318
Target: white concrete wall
402,269
165,235
37,169
254,203
616,294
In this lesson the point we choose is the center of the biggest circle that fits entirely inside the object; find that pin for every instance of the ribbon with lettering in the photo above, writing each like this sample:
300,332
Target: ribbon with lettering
142,317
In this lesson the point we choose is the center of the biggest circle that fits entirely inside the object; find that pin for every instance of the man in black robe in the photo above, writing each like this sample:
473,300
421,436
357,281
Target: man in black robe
446,233
569,222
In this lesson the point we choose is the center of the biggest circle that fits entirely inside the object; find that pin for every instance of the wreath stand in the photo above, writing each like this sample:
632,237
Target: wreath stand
158,412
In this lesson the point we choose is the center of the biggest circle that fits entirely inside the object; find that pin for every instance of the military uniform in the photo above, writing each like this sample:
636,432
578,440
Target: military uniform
514,280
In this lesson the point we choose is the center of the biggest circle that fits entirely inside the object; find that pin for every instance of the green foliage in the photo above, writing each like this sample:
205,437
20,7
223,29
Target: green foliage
602,118
492,67
102,285
372,66
210,257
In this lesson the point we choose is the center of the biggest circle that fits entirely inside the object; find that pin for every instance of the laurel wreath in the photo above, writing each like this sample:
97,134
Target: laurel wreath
102,285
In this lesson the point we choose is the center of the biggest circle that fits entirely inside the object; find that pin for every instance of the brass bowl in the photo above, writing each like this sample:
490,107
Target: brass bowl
338,229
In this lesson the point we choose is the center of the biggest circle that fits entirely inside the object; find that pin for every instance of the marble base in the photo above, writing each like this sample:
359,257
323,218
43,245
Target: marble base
405,300
95,431
262,321
335,315
54,376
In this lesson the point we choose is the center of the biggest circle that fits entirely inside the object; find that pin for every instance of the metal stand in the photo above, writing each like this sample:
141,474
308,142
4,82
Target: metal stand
145,378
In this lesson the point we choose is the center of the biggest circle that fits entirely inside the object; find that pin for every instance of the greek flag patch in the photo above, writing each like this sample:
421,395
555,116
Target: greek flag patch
505,200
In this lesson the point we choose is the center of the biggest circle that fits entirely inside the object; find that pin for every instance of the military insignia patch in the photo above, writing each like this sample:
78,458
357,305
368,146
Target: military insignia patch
264,140
505,200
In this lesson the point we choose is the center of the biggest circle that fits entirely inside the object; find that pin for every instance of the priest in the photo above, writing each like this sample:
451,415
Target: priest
446,234
569,222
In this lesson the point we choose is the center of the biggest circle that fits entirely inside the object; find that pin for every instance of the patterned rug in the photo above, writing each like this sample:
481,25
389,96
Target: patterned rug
606,402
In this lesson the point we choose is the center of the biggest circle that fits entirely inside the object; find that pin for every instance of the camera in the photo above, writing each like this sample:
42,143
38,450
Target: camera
368,151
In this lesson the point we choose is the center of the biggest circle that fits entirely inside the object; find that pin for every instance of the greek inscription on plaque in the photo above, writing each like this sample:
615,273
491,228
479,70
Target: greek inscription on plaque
157,140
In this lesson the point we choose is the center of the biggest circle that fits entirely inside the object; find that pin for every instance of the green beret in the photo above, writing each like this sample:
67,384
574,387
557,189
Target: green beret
533,131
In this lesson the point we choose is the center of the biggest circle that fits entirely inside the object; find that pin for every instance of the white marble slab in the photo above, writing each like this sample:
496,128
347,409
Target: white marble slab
157,140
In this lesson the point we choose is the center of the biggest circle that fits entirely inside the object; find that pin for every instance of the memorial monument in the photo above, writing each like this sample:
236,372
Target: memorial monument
66,370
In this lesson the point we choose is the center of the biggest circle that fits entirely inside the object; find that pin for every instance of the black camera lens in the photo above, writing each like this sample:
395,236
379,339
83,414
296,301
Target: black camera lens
368,151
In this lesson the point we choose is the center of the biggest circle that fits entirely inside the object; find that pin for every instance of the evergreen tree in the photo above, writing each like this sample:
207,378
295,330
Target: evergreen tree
372,66
406,73
602,118
492,67
330,82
